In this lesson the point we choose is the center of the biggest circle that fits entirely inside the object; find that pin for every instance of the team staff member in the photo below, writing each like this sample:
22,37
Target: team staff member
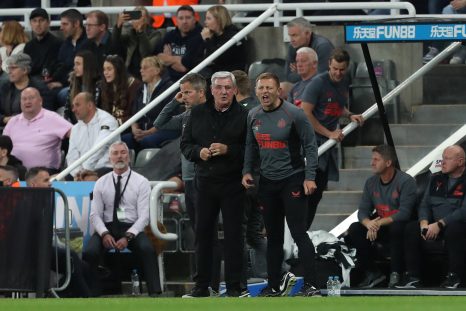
214,140
276,133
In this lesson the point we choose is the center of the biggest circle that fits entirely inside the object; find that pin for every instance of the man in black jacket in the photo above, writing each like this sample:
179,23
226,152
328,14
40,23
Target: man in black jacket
214,139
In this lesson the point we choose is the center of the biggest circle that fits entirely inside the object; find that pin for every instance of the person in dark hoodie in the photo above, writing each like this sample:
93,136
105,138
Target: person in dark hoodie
6,158
217,31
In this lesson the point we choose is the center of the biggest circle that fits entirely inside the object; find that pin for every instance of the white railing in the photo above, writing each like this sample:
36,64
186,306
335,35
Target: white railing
276,19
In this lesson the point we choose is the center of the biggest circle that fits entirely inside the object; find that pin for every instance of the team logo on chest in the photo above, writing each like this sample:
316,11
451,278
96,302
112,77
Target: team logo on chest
256,125
281,123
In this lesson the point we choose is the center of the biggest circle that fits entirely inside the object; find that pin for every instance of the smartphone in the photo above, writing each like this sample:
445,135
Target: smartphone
133,14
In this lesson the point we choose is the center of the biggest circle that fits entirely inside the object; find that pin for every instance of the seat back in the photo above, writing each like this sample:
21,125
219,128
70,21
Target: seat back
144,156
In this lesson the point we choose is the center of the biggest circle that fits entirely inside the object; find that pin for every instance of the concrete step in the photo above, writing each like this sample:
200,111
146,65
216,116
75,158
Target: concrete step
350,179
422,134
335,202
445,84
360,156
327,222
439,114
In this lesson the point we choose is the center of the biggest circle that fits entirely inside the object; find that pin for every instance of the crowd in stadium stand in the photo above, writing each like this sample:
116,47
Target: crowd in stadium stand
60,97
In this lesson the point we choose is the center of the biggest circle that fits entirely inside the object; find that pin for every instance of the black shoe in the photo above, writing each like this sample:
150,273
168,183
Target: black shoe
452,281
198,292
372,279
233,293
287,283
269,292
308,291
409,281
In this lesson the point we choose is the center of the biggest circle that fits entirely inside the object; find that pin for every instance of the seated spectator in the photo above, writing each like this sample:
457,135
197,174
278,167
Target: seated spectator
19,66
306,68
12,41
93,126
6,158
117,89
139,42
285,89
441,218
217,31
386,206
87,176
182,48
143,134
83,79
37,133
301,34
244,96
8,176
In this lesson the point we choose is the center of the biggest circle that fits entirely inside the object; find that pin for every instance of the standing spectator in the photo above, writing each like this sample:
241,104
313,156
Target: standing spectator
119,214
277,132
391,194
12,41
37,133
143,133
93,126
43,48
442,218
139,41
306,68
19,66
6,158
118,89
214,139
301,34
324,101
182,48
218,29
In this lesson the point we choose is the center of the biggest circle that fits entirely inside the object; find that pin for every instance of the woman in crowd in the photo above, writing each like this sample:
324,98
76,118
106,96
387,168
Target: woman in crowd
83,79
12,39
217,31
139,41
117,89
143,133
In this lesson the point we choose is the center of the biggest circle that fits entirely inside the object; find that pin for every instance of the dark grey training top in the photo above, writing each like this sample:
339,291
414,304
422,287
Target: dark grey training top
276,138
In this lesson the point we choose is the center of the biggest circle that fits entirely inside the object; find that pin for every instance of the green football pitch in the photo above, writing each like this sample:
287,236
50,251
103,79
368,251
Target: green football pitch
225,304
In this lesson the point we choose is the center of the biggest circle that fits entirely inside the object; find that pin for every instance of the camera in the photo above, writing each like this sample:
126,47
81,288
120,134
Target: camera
133,14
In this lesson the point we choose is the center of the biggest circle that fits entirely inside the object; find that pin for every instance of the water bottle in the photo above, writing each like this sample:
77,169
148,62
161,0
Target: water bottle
336,286
330,288
135,290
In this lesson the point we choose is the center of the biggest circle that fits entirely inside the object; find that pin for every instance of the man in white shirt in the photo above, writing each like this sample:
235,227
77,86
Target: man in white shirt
93,126
119,214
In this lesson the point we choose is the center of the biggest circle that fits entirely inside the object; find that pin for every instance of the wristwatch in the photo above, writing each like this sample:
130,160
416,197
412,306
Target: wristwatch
129,236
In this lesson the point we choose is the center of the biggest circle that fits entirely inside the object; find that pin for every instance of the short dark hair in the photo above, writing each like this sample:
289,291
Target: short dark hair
387,152
6,143
340,55
242,82
185,8
12,170
73,16
34,171
269,75
196,80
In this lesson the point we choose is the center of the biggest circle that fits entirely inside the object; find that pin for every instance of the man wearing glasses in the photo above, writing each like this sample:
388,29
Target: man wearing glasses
214,139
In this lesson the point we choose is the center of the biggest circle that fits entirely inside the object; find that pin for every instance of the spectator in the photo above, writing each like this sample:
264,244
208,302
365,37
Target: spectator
324,101
83,79
306,68
37,133
139,41
118,90
43,48
244,96
301,34
19,66
119,213
6,158
93,126
285,180
391,194
143,133
8,176
218,29
12,41
214,139
441,218
182,48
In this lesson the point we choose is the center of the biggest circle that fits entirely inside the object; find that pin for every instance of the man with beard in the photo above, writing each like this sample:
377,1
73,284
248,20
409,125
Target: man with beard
119,214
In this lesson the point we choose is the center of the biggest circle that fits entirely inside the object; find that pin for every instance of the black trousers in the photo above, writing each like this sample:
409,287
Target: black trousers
142,248
454,235
391,235
316,196
279,200
80,278
213,197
